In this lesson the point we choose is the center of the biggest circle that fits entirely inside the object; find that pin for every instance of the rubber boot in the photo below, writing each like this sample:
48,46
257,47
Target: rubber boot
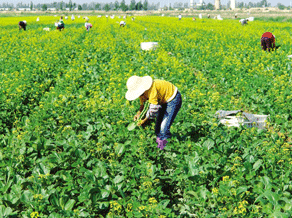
161,143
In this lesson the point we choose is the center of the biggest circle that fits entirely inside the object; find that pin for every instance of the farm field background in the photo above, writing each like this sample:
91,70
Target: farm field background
66,151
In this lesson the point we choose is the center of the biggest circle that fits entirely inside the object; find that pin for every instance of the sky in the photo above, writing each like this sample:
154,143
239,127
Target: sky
164,2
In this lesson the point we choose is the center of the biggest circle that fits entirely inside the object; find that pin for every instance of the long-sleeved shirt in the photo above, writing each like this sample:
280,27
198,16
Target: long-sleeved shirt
269,35
159,93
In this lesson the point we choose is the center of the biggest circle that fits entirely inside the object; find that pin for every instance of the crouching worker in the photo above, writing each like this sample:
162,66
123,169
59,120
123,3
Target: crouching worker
60,25
122,23
268,41
243,21
22,25
88,26
165,102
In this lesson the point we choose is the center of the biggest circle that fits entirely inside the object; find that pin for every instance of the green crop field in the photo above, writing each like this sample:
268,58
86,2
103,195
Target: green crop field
65,147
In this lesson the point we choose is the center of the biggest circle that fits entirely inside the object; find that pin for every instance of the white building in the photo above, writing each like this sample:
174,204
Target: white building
24,9
192,4
217,4
201,3
232,4
51,9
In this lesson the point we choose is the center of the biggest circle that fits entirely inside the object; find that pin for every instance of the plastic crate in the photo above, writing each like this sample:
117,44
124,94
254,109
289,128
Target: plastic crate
259,122
149,45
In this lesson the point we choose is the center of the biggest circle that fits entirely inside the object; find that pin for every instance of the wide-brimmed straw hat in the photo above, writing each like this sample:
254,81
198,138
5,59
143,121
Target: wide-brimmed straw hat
137,86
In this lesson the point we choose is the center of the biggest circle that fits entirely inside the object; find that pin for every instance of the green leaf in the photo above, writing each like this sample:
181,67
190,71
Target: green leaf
132,126
272,197
241,189
192,193
209,143
257,164
164,203
69,205
266,182
118,179
43,169
120,149
192,163
203,193
105,193
288,207
279,214
5,211
26,196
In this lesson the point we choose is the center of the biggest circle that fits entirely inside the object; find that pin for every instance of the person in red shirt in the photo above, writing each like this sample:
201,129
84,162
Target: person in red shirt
268,41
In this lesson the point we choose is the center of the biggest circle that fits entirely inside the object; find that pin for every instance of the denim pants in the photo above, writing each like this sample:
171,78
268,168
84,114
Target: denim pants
166,115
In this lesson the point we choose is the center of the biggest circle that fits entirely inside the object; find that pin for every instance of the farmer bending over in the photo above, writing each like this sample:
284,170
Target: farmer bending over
122,23
268,41
61,25
243,21
165,102
88,26
22,25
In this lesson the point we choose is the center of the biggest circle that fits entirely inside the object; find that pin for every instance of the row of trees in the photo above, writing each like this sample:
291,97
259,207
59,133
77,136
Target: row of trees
132,6
87,6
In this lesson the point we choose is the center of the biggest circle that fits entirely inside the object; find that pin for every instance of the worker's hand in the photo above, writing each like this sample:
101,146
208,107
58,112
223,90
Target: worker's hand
140,123
136,117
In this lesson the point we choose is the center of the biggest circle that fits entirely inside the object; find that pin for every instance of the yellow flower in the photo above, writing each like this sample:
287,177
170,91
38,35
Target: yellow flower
215,191
34,215
152,200
225,178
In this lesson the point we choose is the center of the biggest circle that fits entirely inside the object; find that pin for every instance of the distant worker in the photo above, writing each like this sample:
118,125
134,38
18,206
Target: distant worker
133,18
60,25
72,17
194,19
122,23
209,16
268,41
235,16
88,26
22,25
243,21
179,17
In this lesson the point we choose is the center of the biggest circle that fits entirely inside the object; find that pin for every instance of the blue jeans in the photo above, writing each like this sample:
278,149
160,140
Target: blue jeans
166,115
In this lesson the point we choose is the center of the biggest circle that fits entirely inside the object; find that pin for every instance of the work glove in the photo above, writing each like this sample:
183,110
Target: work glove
140,123
136,117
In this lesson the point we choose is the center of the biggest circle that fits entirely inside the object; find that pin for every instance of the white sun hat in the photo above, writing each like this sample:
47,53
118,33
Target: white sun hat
24,21
137,86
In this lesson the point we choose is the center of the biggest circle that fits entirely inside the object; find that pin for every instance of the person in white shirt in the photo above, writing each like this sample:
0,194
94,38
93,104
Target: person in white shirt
122,23
88,26
243,21
179,16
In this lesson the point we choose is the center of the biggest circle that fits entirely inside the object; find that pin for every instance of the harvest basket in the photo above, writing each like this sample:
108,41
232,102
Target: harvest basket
260,121
149,45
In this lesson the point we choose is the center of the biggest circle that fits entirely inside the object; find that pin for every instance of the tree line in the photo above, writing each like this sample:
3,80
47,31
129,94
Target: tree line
116,6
